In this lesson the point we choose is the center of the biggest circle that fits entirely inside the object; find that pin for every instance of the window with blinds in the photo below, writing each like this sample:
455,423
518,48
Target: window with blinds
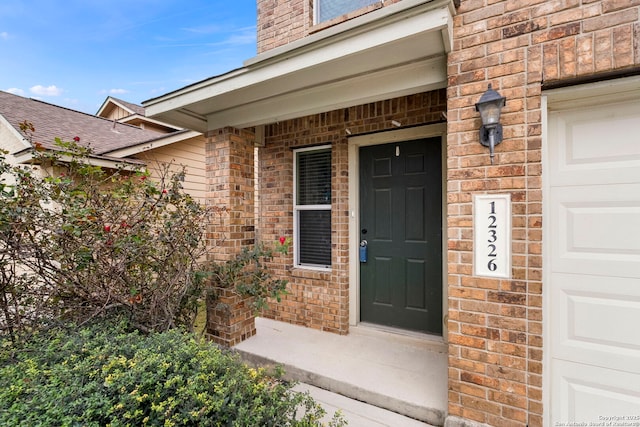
329,9
312,207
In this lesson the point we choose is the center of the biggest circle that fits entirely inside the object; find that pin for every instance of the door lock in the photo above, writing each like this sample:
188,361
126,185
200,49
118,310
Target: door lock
363,250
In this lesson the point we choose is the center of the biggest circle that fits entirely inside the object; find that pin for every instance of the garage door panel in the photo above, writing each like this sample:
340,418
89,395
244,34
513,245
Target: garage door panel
596,145
587,393
597,325
596,229
592,257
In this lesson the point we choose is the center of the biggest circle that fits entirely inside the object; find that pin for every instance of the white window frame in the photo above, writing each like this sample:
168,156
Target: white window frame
297,208
316,11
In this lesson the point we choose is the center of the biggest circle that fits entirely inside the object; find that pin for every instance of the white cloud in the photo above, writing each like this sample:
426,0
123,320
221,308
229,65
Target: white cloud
4,35
15,91
46,91
114,91
240,37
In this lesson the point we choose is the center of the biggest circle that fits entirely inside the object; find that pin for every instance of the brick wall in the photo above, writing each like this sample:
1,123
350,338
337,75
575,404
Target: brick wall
321,299
495,326
283,22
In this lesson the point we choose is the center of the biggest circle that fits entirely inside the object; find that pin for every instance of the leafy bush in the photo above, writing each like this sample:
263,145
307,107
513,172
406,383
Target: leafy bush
103,375
249,275
79,241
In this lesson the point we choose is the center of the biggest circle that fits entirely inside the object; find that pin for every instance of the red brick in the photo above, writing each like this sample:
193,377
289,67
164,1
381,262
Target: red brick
482,380
609,20
613,5
557,33
483,13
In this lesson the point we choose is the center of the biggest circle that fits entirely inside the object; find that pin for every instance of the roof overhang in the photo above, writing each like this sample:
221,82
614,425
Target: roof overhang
13,133
393,51
110,102
144,119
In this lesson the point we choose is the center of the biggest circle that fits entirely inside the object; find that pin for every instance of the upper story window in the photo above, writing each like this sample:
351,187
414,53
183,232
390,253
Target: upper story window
312,207
329,9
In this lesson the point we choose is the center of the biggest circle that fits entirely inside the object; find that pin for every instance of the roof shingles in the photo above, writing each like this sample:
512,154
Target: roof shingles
52,121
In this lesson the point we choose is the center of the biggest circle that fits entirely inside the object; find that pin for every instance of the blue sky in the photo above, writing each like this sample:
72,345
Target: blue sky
75,53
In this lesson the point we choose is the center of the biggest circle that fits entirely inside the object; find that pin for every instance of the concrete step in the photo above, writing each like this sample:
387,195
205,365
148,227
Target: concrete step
356,413
400,373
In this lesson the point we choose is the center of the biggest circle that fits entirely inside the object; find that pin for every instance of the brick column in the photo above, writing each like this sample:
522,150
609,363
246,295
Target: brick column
231,191
495,326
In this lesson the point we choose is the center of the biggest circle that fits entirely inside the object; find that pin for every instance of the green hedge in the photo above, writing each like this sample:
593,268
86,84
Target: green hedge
104,375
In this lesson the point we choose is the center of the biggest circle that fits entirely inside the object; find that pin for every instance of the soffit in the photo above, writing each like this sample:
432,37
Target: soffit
394,51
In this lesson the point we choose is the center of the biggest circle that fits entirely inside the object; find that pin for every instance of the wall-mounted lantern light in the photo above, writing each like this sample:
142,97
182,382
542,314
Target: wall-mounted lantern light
489,106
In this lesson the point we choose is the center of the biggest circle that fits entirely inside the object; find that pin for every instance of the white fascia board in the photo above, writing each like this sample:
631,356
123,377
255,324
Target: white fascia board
256,81
23,157
21,139
437,13
415,77
186,119
110,164
147,120
150,145
106,102
26,156
330,52
346,47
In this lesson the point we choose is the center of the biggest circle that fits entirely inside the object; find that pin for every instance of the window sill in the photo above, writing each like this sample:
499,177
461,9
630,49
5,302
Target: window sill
311,272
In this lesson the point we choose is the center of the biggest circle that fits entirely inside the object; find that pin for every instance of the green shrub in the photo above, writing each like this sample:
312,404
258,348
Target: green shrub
104,375
249,275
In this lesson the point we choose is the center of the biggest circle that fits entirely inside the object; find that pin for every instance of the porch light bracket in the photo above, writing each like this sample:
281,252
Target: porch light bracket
490,106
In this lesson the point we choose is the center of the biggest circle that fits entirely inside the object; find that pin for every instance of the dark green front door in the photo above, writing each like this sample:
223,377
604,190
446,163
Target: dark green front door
401,221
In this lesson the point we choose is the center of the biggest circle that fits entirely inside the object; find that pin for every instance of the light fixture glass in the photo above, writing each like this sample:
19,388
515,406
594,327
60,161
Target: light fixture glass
490,114
489,106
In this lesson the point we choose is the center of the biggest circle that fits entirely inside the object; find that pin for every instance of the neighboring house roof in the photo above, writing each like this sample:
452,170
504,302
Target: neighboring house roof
126,112
104,136
52,121
128,106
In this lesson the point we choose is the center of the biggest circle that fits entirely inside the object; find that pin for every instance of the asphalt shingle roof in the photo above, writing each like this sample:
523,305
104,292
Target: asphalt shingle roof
51,121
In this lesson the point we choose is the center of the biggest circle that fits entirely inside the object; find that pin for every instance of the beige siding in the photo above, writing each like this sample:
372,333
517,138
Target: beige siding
189,153
116,113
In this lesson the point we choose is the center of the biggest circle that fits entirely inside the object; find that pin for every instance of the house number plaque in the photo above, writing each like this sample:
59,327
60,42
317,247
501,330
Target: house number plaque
492,235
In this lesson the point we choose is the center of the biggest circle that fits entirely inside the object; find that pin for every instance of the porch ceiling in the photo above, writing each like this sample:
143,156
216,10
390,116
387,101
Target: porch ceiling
396,50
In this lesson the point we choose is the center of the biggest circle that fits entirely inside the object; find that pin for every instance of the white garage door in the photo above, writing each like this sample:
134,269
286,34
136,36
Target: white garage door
592,251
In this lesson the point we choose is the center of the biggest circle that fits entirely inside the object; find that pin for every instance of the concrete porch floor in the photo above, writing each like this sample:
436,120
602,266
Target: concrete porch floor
404,374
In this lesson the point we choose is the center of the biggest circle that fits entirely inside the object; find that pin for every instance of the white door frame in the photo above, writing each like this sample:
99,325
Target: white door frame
400,135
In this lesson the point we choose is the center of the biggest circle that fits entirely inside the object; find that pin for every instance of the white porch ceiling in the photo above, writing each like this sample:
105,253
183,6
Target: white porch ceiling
396,50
